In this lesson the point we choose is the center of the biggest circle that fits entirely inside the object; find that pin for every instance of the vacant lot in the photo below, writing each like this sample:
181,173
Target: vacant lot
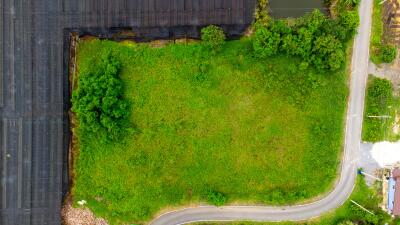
381,112
263,131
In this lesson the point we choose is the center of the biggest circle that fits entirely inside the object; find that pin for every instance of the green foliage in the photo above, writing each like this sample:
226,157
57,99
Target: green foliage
213,37
229,121
388,53
379,97
266,42
318,40
327,53
216,198
98,100
350,2
349,21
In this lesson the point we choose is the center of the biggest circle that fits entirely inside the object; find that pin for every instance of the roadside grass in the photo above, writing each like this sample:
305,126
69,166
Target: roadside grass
380,101
369,197
256,131
376,33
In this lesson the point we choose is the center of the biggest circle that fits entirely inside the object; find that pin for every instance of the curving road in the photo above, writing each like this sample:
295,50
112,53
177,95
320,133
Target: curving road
346,182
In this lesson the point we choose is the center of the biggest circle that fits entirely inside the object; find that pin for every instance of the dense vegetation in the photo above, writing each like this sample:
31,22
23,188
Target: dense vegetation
212,127
316,39
250,120
347,214
380,51
379,111
98,102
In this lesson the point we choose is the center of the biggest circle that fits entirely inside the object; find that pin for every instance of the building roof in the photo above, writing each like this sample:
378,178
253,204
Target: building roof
391,190
34,126
396,173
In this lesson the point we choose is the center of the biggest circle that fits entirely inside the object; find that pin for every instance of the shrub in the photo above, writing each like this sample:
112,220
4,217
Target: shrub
349,21
213,37
216,198
97,101
388,53
266,43
327,53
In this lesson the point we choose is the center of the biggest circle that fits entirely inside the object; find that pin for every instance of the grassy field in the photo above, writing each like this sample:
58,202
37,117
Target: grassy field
376,33
368,197
380,101
260,131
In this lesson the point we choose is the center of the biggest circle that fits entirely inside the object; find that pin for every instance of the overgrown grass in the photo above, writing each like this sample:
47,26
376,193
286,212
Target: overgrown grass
376,33
366,196
380,111
260,131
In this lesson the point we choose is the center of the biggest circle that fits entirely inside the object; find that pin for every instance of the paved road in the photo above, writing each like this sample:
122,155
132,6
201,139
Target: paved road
348,175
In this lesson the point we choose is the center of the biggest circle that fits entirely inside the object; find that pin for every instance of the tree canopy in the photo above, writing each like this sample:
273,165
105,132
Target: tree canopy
98,100
318,40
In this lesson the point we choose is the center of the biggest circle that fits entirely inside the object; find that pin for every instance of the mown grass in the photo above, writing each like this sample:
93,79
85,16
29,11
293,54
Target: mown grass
369,197
259,131
380,111
376,33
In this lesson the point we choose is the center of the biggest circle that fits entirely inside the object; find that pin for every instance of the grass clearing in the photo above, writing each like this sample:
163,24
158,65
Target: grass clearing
257,131
381,111
376,33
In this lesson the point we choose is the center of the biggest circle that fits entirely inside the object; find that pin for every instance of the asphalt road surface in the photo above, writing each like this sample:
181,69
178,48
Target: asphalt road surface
348,175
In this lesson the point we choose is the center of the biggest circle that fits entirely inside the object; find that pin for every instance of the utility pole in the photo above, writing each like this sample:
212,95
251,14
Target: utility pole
355,203
371,176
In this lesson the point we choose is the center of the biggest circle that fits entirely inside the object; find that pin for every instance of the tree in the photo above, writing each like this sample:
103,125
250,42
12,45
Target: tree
98,102
304,43
312,21
289,44
388,53
349,20
327,53
213,37
266,43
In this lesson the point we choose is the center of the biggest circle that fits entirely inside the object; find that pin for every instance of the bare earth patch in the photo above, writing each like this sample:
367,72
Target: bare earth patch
80,216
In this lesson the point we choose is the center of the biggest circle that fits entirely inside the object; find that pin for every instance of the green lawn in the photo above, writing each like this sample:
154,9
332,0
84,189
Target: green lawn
380,102
260,131
376,33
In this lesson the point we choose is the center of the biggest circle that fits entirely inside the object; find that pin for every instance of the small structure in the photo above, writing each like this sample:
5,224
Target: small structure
393,193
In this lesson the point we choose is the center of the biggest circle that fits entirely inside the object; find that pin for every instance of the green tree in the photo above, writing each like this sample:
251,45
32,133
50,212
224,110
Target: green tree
213,37
304,42
98,102
312,21
388,53
266,43
349,21
327,53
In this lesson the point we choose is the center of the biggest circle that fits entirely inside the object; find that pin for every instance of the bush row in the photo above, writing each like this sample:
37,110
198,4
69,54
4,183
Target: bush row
318,40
